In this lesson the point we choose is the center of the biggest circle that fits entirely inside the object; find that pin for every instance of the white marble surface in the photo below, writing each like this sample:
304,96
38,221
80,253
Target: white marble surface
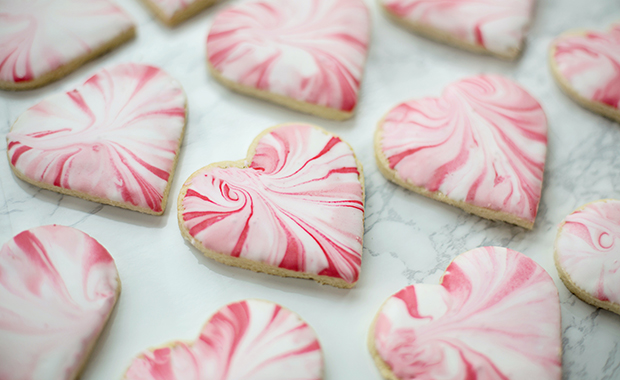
170,289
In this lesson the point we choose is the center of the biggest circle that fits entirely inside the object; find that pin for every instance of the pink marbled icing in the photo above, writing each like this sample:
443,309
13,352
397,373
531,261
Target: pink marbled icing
590,62
496,25
115,137
39,36
483,142
588,249
57,288
496,315
251,339
298,205
311,51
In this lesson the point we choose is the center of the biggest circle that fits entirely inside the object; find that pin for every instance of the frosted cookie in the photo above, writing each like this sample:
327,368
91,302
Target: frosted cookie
496,315
294,207
496,27
306,55
249,339
173,12
587,253
481,146
586,66
58,287
42,41
113,140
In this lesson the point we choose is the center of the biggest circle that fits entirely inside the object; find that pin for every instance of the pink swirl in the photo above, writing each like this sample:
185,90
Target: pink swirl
39,36
311,51
588,249
243,340
496,315
114,138
57,288
483,142
497,25
298,205
590,62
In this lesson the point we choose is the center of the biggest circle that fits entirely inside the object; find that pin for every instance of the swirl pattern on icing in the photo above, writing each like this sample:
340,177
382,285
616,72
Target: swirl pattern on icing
39,36
496,25
590,62
57,288
114,138
297,205
311,51
483,142
244,340
588,249
496,315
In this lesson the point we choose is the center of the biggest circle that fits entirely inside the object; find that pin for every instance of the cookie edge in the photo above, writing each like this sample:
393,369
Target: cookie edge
242,262
565,277
180,15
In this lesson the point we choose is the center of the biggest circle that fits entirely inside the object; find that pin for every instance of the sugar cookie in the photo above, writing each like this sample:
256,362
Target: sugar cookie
173,12
587,253
58,287
113,140
496,315
294,207
42,41
481,146
306,55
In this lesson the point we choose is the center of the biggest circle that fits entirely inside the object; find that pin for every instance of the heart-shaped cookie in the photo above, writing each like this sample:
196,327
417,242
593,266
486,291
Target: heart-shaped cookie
586,66
496,315
172,12
42,41
58,287
496,27
250,339
587,253
294,207
113,140
481,146
306,55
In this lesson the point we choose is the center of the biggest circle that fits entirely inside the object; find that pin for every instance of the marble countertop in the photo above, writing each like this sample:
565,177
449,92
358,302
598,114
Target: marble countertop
170,289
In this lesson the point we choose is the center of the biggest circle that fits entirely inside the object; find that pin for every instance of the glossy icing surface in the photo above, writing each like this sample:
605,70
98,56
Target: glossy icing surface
588,249
39,36
311,51
497,25
483,142
115,137
298,205
496,315
57,288
251,339
590,62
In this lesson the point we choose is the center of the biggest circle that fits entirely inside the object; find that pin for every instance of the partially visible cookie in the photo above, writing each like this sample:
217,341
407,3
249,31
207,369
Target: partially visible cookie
113,140
306,55
173,12
481,147
42,41
587,253
58,287
496,27
249,339
294,207
495,315
586,65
